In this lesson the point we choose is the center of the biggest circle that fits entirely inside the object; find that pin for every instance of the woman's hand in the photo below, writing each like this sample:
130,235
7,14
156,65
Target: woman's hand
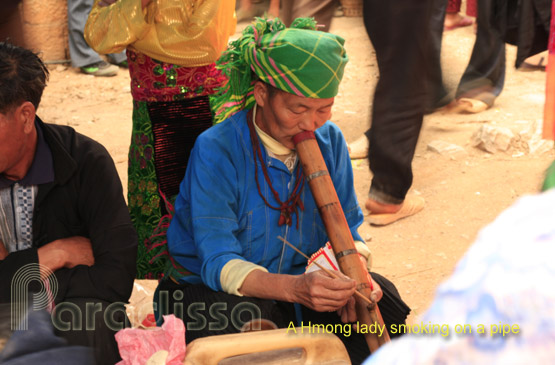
348,312
318,291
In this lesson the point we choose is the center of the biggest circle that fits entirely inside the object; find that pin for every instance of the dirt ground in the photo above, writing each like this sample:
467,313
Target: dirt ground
463,193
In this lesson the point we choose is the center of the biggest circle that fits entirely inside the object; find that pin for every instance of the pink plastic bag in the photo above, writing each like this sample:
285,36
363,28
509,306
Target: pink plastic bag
136,345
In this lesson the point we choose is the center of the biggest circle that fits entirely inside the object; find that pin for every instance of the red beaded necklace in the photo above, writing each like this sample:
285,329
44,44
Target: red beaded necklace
289,206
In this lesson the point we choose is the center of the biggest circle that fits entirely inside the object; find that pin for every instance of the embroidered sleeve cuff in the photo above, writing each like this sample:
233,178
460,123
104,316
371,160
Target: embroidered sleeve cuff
234,273
363,249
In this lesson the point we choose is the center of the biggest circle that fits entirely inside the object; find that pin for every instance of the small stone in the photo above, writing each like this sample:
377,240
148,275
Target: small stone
446,149
368,238
491,139
538,146
530,139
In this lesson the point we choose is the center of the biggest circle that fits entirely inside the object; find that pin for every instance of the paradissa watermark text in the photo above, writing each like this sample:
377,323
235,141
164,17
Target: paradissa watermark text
89,313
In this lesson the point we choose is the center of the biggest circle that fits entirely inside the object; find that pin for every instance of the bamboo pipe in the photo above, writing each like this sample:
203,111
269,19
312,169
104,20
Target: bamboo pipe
339,233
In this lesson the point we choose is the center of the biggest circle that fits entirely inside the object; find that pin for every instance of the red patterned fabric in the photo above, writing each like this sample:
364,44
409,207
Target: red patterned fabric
454,6
171,108
471,7
153,80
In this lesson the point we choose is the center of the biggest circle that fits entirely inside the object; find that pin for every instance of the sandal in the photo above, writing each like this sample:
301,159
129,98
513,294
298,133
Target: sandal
359,148
412,205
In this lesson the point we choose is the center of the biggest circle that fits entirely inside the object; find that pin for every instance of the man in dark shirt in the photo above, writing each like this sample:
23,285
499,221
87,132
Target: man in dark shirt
65,231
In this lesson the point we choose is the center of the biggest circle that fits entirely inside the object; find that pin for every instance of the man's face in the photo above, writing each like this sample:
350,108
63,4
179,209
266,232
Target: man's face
285,115
13,142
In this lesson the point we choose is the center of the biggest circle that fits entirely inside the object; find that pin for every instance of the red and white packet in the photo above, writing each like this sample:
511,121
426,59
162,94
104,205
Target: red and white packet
325,257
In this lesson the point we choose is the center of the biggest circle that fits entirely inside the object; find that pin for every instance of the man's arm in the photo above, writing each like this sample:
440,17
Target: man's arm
112,237
3,251
66,252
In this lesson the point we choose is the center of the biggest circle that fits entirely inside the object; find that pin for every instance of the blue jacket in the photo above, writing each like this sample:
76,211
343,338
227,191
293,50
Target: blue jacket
220,216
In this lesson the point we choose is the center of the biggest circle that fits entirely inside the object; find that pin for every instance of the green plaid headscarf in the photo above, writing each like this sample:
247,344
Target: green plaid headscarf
299,60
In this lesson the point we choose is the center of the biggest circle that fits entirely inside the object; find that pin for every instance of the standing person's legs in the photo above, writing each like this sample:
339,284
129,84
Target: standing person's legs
321,10
484,76
80,52
118,58
437,94
397,30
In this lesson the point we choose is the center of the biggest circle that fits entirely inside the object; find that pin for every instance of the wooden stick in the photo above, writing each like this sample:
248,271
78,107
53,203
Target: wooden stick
331,273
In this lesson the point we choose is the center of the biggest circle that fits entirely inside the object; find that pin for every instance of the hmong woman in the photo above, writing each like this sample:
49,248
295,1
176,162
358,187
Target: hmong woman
171,49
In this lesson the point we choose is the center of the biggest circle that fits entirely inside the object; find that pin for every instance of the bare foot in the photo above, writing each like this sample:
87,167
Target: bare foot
471,106
456,20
